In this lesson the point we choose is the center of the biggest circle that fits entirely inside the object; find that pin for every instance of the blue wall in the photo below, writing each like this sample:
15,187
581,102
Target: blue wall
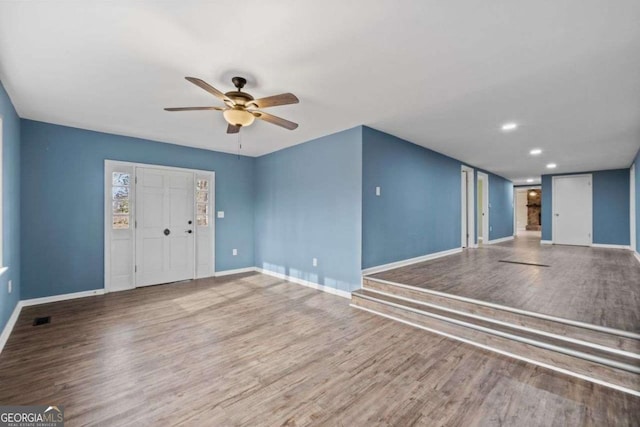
307,204
11,207
500,207
610,206
62,203
418,212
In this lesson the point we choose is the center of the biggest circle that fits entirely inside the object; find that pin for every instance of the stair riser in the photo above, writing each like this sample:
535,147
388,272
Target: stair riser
550,326
627,361
563,362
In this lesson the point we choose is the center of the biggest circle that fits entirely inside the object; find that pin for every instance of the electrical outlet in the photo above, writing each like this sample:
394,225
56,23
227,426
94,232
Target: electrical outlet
235,252
315,262
220,214
490,228
10,286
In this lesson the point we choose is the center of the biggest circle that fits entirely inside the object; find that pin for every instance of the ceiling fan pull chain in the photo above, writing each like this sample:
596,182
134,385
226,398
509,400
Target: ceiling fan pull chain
239,144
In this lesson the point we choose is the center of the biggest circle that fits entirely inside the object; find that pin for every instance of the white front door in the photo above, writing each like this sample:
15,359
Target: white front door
572,210
165,225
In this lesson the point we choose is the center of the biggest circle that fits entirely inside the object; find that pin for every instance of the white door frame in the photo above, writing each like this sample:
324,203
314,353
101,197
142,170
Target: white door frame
109,166
632,207
485,206
554,204
468,211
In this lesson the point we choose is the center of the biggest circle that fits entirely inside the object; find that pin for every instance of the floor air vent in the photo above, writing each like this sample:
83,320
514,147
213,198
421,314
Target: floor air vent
524,263
41,320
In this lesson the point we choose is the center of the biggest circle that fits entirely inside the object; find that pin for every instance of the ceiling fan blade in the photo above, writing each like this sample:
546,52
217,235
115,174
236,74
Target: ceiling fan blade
275,120
212,90
233,129
194,108
273,101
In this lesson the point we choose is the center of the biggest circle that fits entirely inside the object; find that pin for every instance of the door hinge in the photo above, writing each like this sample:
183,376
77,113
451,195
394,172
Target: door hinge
136,269
135,224
136,179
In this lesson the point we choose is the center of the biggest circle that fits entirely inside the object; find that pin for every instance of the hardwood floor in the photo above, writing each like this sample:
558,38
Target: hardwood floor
255,350
592,285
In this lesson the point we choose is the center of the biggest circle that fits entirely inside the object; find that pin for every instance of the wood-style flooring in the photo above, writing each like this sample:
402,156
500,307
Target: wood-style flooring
257,351
592,285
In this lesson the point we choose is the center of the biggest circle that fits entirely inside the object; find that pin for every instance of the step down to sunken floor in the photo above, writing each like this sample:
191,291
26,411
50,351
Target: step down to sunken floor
602,355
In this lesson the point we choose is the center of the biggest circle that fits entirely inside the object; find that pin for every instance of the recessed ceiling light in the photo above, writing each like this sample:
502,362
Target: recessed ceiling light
535,152
551,166
507,127
530,180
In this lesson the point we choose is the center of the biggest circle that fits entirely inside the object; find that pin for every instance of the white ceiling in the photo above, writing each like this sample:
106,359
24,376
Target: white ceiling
444,75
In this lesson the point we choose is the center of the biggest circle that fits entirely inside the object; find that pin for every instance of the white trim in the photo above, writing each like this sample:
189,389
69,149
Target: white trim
468,207
632,208
546,242
405,262
3,270
485,206
500,240
602,245
505,353
8,328
62,297
306,283
584,325
236,271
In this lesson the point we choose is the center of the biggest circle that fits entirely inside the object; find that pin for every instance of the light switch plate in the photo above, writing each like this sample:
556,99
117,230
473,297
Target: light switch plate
10,286
220,214
315,262
377,191
235,252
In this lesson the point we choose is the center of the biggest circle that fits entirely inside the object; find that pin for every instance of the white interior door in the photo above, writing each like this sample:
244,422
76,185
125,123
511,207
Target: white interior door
572,210
165,225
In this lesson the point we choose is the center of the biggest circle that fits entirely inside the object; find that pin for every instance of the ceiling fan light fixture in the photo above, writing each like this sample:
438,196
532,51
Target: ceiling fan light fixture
238,117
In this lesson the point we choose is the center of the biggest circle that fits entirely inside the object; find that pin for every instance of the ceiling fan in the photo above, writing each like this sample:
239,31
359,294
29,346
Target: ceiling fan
241,109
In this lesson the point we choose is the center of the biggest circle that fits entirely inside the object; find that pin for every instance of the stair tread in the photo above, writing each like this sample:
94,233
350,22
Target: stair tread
510,329
586,368
551,326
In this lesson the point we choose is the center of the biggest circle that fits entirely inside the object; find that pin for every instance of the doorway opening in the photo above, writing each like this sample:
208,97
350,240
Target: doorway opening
468,208
483,207
528,211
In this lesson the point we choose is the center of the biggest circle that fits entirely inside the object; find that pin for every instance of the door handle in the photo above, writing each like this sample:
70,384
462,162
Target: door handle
188,231
167,231
557,214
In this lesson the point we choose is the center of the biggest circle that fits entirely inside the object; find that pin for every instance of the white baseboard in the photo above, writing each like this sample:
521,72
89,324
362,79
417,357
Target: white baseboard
306,283
601,245
546,242
63,297
236,271
8,328
503,239
405,262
